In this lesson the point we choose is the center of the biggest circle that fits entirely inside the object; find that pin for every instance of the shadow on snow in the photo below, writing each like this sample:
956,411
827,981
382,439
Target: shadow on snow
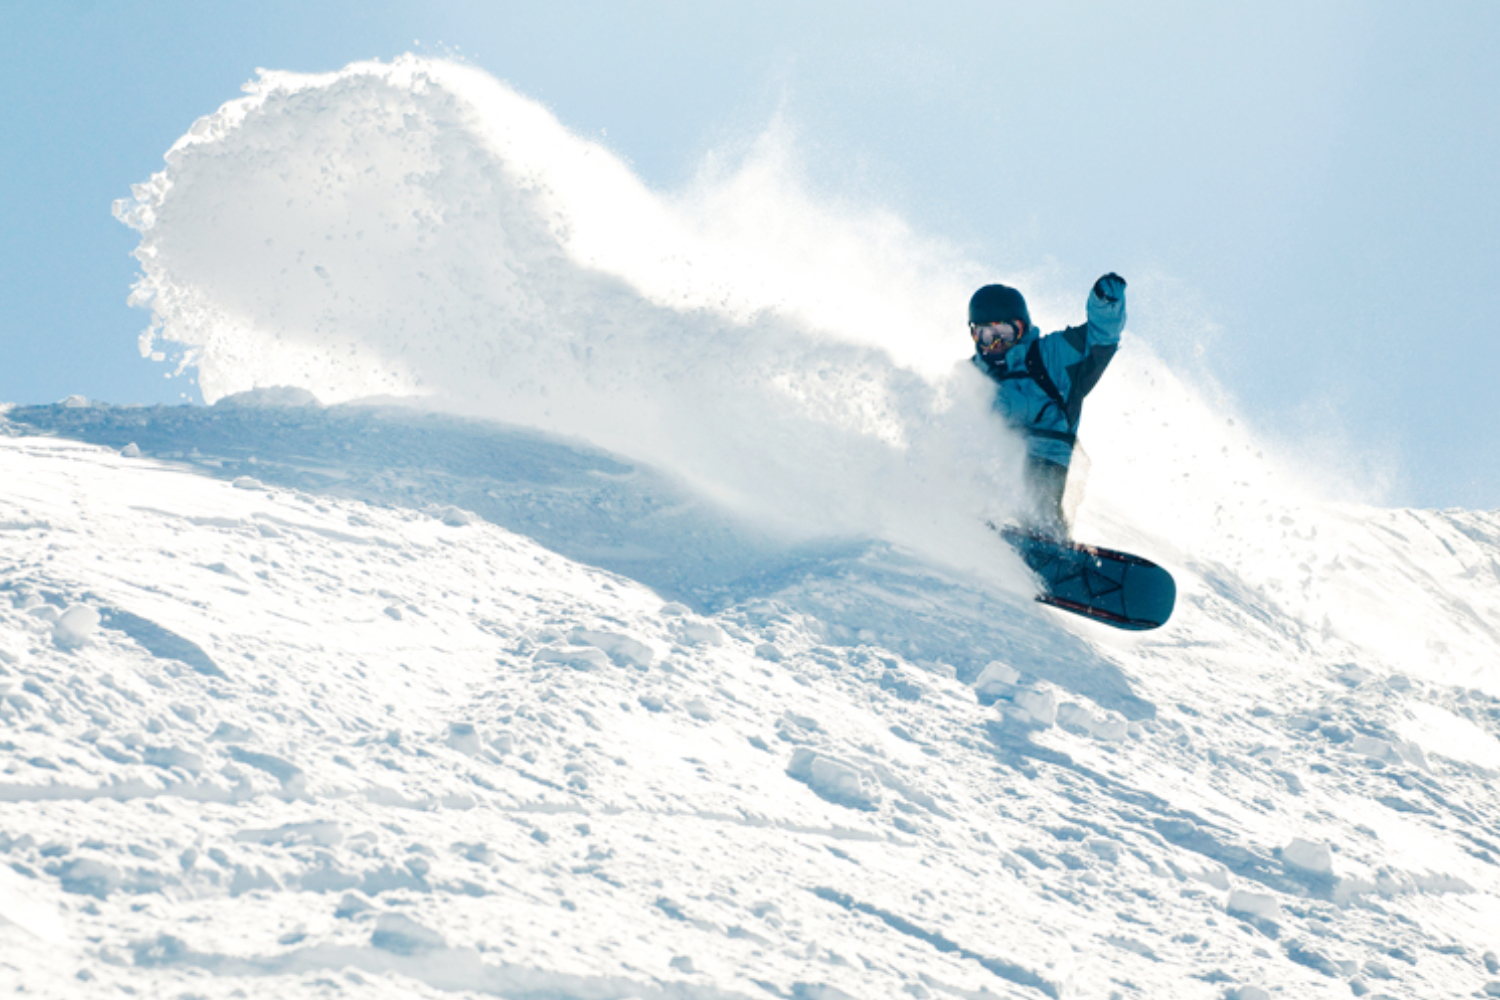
612,513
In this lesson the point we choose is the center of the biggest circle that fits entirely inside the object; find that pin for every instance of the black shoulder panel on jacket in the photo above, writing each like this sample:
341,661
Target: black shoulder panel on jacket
1085,375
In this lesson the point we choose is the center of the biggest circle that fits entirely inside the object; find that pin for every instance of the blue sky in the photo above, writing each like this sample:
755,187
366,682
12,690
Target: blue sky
1318,182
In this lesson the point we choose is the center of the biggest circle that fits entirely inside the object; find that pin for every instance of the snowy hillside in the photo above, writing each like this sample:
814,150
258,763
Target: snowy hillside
628,626
322,746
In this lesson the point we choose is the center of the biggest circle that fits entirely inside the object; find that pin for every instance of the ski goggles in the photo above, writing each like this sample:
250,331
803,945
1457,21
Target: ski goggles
993,337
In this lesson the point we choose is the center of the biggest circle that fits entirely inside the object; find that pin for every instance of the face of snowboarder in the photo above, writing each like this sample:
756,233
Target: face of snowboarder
995,338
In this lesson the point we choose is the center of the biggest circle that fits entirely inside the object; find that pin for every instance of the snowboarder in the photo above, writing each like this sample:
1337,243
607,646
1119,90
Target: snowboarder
1041,381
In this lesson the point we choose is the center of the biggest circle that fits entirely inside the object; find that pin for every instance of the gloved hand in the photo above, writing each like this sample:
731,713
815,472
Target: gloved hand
1106,309
1110,288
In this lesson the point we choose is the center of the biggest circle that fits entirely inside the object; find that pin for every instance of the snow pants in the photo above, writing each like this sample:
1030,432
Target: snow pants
1046,482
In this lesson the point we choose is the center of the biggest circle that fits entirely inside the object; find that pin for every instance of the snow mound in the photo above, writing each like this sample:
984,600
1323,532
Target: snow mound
277,395
75,626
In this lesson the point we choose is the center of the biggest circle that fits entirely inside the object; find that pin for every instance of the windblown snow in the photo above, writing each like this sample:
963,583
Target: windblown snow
662,653
419,229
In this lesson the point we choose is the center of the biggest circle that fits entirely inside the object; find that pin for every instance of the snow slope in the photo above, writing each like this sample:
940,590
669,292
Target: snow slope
319,745
663,653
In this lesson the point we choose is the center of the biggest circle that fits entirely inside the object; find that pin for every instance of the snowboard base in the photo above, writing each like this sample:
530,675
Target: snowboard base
1115,588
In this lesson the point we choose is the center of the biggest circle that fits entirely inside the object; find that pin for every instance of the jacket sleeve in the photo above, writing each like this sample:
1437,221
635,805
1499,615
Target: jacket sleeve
1075,358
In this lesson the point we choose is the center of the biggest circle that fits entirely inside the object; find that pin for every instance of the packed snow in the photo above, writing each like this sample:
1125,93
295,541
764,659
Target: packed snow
662,651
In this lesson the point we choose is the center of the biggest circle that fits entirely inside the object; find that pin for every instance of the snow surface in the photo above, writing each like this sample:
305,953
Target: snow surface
664,654
327,738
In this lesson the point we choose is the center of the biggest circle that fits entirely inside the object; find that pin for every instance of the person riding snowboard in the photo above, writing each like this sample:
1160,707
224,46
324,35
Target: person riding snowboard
1041,381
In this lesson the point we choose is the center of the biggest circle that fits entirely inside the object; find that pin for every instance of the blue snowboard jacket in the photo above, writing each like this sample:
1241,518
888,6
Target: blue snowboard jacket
1041,381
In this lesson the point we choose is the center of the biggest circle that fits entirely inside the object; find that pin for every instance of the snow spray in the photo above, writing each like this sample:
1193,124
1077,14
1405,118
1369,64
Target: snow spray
417,229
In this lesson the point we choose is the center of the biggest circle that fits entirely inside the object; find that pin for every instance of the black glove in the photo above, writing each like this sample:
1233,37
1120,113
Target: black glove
1110,287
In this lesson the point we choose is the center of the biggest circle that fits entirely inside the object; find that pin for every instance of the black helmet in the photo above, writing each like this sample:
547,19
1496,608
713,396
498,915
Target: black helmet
998,304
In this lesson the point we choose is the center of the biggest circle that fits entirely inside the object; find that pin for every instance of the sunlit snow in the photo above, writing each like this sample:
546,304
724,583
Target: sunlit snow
661,650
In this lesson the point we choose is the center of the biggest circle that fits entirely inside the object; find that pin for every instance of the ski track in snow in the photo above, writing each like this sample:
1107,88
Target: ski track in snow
320,744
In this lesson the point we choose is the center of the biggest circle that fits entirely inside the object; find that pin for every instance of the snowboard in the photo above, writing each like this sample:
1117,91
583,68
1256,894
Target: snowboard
1115,588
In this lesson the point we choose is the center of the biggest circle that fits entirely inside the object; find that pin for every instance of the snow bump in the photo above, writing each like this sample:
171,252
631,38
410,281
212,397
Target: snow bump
1256,905
622,649
577,657
75,626
1308,857
834,780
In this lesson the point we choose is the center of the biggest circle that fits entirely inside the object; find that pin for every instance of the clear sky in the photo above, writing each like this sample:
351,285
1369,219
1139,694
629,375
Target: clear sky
1316,186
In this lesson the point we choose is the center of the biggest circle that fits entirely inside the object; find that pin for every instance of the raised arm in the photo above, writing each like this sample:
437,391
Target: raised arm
1075,358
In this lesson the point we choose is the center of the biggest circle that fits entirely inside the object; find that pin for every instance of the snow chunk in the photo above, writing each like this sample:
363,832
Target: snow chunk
1308,857
1110,729
248,483
1391,753
131,450
577,657
1040,705
698,709
621,648
1258,905
1372,747
1078,719
1021,705
834,781
1074,717
996,680
75,626
465,739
